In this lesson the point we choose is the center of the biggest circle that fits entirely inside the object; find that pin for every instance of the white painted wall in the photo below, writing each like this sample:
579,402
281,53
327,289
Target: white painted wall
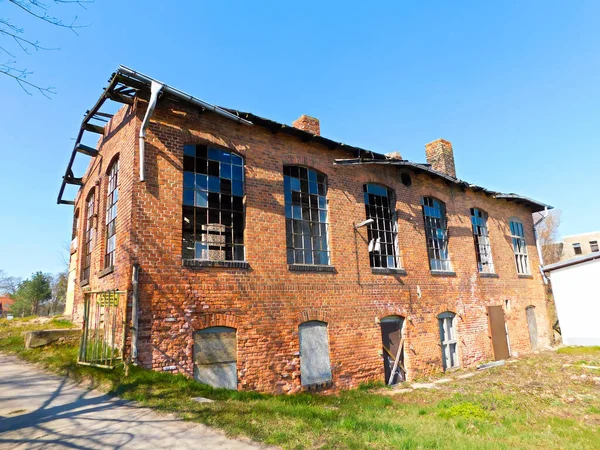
577,296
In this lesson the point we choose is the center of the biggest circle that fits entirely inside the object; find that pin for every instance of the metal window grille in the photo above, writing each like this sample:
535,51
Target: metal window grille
447,323
111,214
88,238
383,232
594,246
213,204
577,249
519,246
103,330
305,192
436,232
483,248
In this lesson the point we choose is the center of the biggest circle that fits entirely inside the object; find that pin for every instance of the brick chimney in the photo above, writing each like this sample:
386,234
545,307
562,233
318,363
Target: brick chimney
440,155
307,123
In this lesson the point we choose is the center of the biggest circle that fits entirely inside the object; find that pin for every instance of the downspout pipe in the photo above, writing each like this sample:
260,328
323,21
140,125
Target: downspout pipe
155,89
538,245
135,297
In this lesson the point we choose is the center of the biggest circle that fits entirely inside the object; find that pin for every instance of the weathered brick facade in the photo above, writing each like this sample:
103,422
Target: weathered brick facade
266,301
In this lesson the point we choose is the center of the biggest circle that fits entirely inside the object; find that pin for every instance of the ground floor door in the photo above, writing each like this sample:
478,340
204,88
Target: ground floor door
393,351
532,325
215,355
498,332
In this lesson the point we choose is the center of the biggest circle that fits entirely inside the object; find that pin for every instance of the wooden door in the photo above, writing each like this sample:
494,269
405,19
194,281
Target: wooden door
391,338
498,332
532,325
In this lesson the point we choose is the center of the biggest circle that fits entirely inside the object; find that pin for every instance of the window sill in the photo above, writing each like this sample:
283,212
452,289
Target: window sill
84,283
387,271
442,273
488,275
222,264
108,270
525,276
311,268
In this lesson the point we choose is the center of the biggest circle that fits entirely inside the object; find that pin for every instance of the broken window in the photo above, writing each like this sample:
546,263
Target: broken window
88,238
519,246
215,356
436,232
447,323
305,192
112,196
315,367
213,204
594,246
577,248
483,248
380,206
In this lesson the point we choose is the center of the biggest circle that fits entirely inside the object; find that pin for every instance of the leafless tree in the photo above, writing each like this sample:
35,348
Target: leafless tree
8,284
548,236
14,39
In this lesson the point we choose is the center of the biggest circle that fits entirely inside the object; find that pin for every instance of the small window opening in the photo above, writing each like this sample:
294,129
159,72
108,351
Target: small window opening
577,248
406,179
594,246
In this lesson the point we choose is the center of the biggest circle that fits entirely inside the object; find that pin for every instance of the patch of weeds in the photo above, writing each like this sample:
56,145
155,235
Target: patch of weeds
464,410
593,410
366,386
579,350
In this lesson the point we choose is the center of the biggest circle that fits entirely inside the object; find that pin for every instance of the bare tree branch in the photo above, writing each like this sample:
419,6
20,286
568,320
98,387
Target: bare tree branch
39,10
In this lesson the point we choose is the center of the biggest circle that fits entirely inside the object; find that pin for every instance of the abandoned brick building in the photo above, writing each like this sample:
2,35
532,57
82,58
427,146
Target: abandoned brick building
257,255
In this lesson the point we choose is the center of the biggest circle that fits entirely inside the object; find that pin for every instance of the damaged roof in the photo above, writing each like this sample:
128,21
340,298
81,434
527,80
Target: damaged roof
125,84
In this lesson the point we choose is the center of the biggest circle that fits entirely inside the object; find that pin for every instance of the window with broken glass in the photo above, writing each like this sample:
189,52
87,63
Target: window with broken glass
305,192
383,234
519,247
111,214
436,232
594,246
577,248
213,204
483,248
88,238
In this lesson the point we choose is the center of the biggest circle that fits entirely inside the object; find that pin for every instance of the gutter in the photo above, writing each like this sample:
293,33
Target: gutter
155,89
544,215
134,312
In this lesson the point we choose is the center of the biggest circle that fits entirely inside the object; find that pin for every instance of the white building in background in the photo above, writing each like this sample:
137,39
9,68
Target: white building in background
580,244
576,288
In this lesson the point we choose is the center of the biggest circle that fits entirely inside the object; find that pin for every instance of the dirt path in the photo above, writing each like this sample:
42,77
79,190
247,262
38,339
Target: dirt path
38,410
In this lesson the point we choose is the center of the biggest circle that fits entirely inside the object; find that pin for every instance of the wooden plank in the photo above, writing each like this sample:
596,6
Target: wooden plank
94,128
396,362
89,151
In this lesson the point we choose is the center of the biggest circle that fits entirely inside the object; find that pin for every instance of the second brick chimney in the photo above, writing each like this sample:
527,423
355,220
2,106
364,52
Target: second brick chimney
440,155
307,123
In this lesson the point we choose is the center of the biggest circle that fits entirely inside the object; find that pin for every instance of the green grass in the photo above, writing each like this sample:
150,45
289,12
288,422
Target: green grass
579,350
529,405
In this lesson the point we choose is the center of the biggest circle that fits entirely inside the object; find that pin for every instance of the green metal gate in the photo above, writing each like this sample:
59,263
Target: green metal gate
103,333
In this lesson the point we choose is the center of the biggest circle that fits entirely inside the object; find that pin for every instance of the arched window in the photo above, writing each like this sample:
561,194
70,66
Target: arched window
519,246
305,192
112,195
315,367
447,323
213,204
215,357
483,248
88,237
380,206
436,232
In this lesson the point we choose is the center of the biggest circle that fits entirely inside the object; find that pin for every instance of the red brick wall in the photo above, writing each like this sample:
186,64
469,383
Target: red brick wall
267,302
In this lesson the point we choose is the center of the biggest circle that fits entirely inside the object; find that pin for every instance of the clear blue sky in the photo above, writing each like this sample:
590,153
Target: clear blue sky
514,85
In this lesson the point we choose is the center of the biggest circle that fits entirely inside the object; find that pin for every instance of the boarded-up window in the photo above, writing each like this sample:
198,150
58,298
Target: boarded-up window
314,353
215,351
447,322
